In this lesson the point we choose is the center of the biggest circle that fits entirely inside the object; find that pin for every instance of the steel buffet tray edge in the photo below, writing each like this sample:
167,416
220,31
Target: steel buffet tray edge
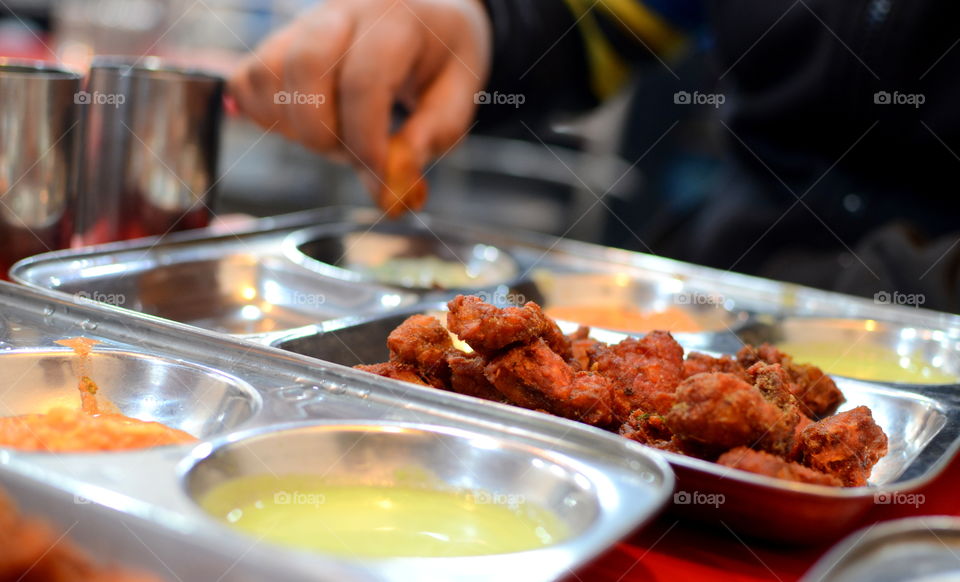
164,530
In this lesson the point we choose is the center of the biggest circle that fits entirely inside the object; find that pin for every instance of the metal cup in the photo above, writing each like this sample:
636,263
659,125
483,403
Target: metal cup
38,141
151,136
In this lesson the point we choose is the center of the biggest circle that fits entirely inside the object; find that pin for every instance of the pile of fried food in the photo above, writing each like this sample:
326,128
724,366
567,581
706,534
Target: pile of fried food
758,412
33,551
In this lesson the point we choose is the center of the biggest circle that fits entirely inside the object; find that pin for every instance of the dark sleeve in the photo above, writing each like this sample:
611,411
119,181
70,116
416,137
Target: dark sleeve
538,56
552,56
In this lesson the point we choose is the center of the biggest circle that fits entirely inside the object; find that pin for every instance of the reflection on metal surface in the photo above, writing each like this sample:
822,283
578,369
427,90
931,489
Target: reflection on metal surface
149,153
38,143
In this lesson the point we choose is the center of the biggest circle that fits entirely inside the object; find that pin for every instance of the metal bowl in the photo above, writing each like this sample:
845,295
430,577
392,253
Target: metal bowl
368,253
586,501
189,397
914,549
937,351
653,292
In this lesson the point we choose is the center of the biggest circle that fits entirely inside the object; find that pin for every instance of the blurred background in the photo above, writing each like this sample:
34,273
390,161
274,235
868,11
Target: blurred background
596,177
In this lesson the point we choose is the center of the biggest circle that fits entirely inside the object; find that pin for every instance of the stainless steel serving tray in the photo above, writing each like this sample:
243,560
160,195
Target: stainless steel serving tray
250,281
921,421
135,508
914,549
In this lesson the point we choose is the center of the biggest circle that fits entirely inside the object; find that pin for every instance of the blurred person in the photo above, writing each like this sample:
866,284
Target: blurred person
839,120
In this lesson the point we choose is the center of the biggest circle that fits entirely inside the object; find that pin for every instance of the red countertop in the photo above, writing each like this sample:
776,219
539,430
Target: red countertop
673,549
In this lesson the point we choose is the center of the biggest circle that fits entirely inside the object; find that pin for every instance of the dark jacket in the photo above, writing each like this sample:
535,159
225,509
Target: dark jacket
842,121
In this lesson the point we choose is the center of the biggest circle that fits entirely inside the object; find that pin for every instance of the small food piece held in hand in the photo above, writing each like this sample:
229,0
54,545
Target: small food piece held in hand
847,445
763,463
404,187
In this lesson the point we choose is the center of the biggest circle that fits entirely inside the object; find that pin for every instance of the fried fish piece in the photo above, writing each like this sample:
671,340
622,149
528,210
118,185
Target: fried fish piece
533,376
847,445
467,377
816,392
421,341
487,328
719,411
698,363
763,463
396,371
645,371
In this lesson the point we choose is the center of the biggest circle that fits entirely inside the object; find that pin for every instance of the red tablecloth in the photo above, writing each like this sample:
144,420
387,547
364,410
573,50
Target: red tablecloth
672,549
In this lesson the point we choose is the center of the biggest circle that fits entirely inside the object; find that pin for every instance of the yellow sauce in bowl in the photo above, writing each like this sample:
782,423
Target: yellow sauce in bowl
867,362
381,521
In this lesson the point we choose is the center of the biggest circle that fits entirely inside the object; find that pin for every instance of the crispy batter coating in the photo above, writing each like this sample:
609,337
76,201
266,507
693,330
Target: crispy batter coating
720,411
756,408
645,371
34,552
816,392
534,376
846,445
396,371
488,329
583,348
646,428
773,382
698,363
422,342
467,377
763,463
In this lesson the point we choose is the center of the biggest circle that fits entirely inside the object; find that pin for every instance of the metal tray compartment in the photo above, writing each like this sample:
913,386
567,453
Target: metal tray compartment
126,502
422,456
915,549
922,423
195,399
259,279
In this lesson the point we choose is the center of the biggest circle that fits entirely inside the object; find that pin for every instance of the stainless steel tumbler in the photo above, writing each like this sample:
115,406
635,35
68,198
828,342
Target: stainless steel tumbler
38,142
149,151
